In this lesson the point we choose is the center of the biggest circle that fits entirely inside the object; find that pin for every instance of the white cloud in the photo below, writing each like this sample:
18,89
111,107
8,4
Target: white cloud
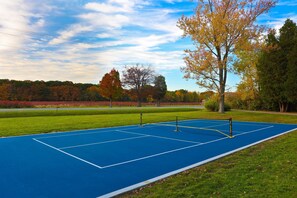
173,1
107,8
105,35
287,3
105,21
277,23
135,37
14,23
72,31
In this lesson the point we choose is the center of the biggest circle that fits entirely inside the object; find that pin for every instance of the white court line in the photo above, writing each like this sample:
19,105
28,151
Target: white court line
161,137
163,153
150,156
96,143
74,131
149,181
252,124
244,133
80,159
83,133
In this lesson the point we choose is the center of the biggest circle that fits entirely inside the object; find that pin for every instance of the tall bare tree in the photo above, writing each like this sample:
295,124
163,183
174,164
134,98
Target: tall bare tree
220,29
136,78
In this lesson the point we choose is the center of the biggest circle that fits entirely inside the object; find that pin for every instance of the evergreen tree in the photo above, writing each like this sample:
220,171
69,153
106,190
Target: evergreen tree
291,83
276,67
160,89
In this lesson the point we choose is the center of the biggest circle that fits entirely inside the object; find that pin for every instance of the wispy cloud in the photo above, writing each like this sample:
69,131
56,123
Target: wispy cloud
287,3
112,33
80,40
72,31
14,21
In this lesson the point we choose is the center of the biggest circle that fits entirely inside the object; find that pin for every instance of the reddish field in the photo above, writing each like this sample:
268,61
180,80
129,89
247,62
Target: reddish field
28,104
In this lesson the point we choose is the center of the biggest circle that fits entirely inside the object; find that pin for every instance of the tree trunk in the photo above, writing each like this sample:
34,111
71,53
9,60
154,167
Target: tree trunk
138,103
110,103
222,100
158,103
283,106
222,78
139,98
221,104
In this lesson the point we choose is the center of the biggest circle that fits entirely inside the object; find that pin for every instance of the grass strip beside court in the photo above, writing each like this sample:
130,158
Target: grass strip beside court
94,111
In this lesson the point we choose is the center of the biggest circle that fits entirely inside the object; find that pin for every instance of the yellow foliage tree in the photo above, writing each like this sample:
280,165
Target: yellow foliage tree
220,29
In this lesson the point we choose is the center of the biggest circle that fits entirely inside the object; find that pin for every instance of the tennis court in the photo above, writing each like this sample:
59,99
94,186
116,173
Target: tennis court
109,161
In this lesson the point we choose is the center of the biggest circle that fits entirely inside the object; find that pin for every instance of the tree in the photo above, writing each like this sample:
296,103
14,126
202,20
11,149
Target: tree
291,83
136,78
277,68
220,29
93,93
170,96
160,88
206,95
5,91
288,43
246,66
110,86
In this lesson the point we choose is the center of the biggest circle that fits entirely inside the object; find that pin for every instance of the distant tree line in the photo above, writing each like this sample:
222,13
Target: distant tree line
47,91
133,87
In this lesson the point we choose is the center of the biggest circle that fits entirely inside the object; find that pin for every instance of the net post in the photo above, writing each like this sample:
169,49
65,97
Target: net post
176,124
230,128
141,120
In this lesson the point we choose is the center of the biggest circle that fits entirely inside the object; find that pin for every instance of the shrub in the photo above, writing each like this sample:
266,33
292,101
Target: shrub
15,104
227,107
213,105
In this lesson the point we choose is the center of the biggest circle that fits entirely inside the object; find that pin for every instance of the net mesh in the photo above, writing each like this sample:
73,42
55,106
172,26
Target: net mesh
222,127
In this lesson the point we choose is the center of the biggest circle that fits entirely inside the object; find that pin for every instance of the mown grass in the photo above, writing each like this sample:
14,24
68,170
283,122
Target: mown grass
99,111
265,170
30,123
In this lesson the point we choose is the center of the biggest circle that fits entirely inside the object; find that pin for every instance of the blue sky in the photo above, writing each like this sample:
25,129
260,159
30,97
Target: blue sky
81,40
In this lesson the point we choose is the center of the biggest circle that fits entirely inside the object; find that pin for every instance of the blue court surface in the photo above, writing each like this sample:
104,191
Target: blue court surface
107,162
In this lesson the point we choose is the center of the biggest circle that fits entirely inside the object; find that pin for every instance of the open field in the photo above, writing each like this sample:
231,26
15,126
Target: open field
36,112
268,169
83,104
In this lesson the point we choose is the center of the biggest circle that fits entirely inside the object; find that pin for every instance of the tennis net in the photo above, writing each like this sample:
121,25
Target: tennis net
194,125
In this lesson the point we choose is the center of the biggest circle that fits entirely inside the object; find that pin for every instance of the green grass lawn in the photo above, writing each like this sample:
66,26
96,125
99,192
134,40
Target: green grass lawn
99,111
265,170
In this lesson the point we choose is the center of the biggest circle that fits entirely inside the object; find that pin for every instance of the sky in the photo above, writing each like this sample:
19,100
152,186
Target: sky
81,40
